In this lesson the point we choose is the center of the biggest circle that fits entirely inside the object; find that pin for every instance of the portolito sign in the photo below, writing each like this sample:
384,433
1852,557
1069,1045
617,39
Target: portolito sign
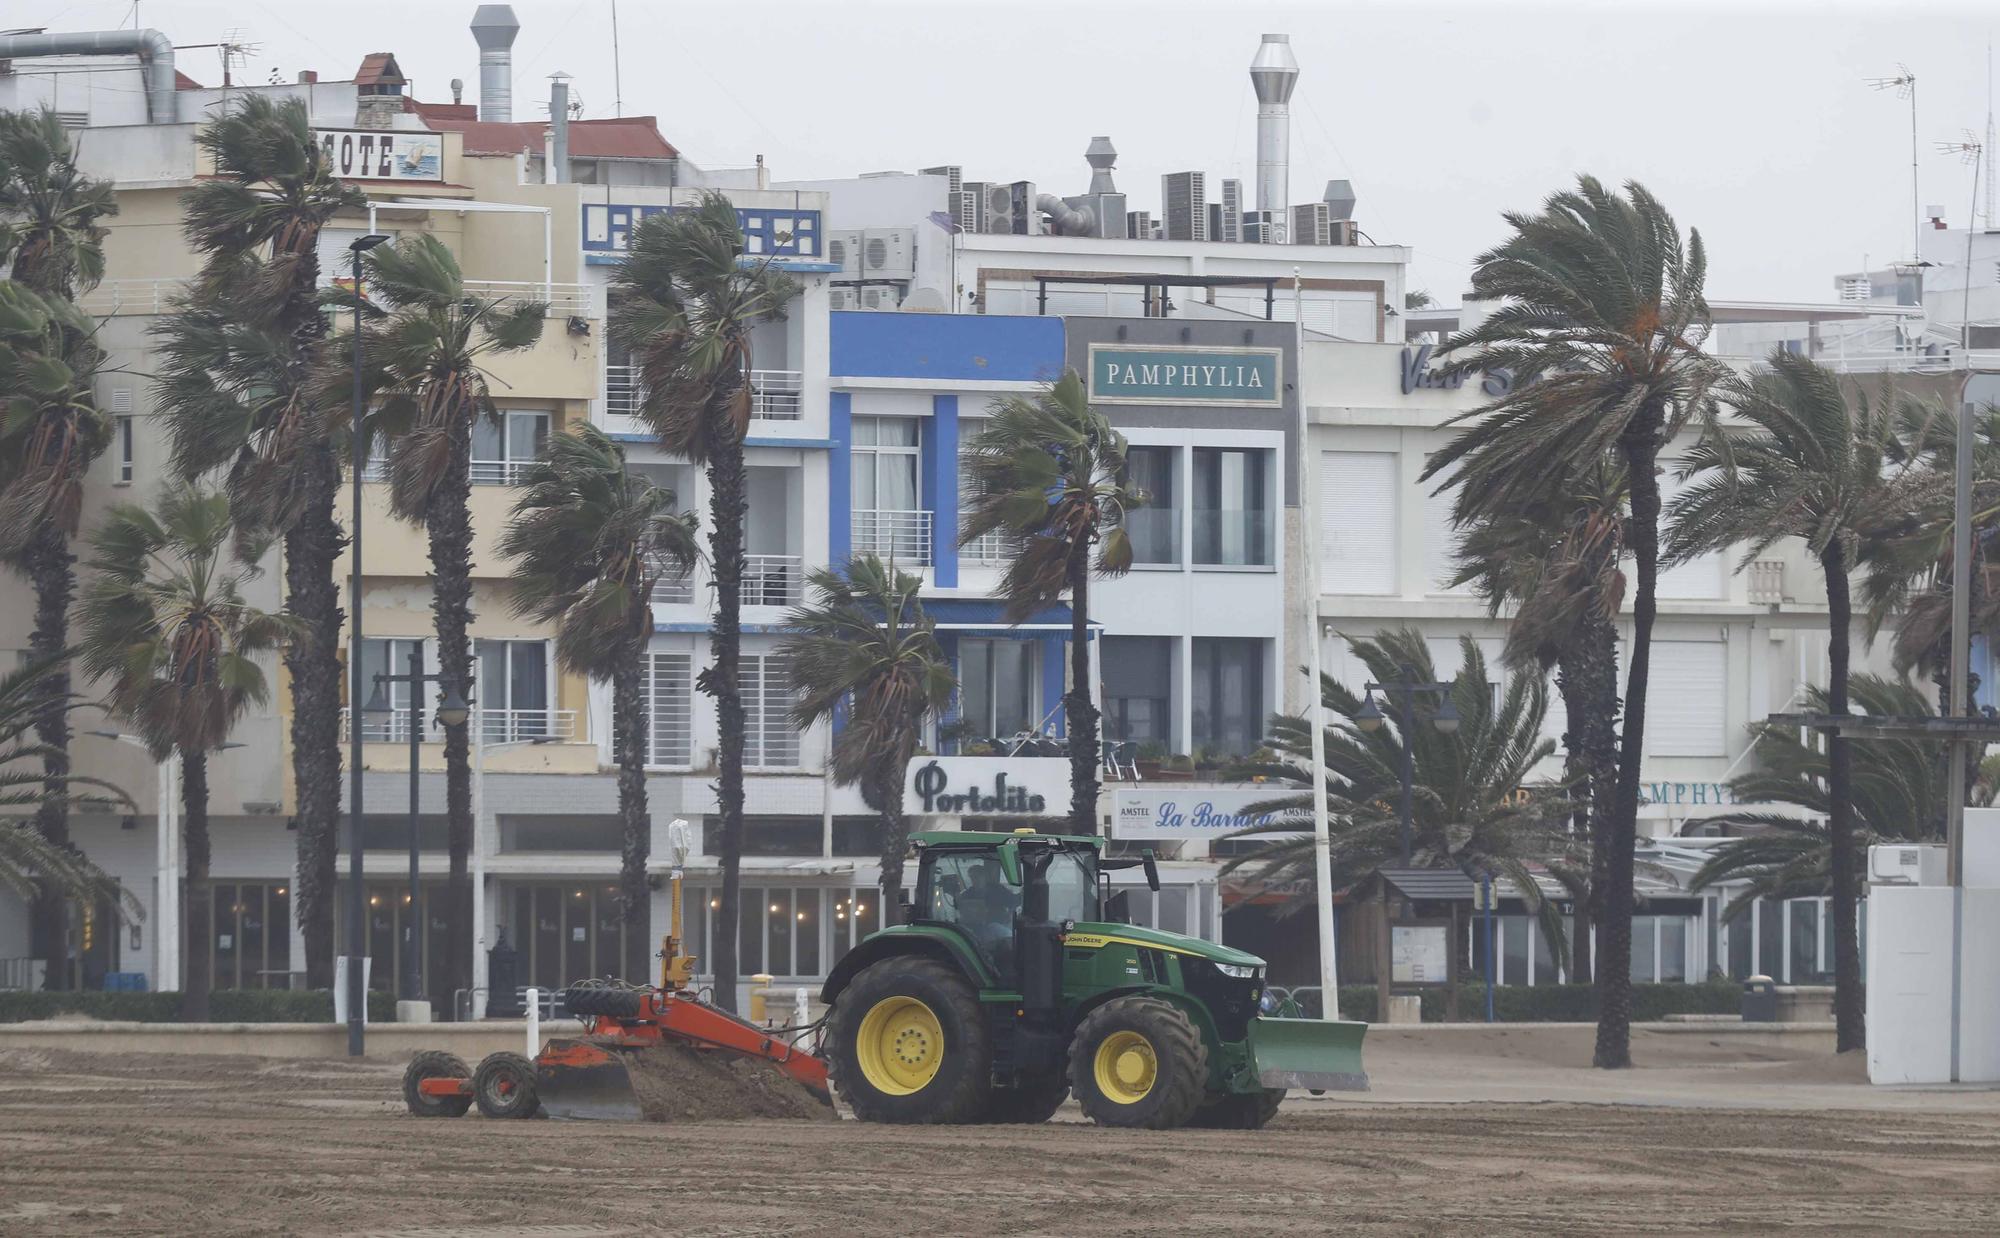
382,154
1162,811
987,787
1149,374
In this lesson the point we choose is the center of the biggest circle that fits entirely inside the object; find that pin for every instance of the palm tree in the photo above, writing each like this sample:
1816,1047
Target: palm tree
424,340
1894,794
1556,564
1603,309
1467,812
27,857
51,229
685,303
50,431
235,361
169,636
1049,473
1812,467
590,541
863,647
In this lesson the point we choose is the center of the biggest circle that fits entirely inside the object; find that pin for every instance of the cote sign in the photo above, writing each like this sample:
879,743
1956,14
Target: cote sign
1152,374
382,154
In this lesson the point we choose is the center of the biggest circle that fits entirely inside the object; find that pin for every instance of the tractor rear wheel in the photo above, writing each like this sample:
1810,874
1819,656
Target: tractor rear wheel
1034,1102
434,1064
1138,1061
504,1087
1247,1111
908,1044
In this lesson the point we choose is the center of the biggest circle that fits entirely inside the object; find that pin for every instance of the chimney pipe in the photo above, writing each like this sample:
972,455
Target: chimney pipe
494,26
1273,74
1102,157
558,169
457,91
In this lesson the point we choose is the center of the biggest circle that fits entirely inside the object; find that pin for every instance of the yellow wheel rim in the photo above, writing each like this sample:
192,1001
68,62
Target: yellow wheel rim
1125,1067
900,1046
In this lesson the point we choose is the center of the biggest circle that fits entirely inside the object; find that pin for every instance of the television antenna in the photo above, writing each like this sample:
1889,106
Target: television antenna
1904,83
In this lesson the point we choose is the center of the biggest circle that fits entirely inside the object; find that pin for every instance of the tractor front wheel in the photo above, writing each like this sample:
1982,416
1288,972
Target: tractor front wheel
433,1064
1138,1061
907,1044
504,1087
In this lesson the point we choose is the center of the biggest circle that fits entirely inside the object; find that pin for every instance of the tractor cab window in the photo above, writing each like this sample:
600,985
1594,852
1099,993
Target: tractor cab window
1072,887
968,889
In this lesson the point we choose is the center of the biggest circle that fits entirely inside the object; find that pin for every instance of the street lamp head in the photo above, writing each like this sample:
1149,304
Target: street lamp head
367,241
1369,716
1446,718
378,701
453,711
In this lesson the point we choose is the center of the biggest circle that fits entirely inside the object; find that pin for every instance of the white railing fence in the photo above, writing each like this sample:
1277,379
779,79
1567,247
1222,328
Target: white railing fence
775,395
1767,581
773,580
902,536
495,726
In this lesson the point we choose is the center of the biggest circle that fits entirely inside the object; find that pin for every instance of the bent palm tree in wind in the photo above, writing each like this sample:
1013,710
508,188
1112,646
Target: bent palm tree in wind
234,387
28,860
425,343
1603,316
1049,474
863,644
170,638
685,301
590,542
1815,467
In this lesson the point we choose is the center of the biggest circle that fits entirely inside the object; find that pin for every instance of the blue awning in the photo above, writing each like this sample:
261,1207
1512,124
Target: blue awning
983,614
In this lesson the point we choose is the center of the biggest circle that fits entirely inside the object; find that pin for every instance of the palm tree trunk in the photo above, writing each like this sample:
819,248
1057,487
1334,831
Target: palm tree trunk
628,725
1639,445
1849,1030
311,595
1576,772
1084,754
200,906
722,680
1595,667
895,840
449,522
52,570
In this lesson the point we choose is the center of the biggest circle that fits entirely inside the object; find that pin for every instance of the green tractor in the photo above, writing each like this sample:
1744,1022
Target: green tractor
1007,990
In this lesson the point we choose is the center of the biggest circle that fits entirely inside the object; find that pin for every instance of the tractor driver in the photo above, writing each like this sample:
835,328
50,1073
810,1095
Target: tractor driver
986,909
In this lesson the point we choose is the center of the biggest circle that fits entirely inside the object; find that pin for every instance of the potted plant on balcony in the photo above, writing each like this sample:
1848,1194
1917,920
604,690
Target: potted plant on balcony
1151,754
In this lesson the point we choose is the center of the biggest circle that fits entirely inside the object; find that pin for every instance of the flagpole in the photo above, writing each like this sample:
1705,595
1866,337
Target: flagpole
1329,967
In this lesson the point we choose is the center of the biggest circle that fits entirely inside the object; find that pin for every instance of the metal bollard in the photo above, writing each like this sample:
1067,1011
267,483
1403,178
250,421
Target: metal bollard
801,1007
760,994
534,1023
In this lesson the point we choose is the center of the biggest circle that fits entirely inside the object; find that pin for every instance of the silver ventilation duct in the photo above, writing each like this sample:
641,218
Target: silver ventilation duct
1101,157
1065,219
494,26
1273,74
1339,199
155,52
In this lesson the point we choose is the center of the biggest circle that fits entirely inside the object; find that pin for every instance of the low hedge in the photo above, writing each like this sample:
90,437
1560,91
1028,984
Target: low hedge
224,1006
1547,1003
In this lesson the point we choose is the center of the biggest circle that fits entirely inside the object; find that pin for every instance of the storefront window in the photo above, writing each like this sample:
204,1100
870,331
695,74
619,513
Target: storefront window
1771,938
1804,914
1644,930
1514,931
1138,688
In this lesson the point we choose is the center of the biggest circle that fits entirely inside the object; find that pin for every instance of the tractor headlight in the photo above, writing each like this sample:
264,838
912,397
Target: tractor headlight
1267,1003
1235,972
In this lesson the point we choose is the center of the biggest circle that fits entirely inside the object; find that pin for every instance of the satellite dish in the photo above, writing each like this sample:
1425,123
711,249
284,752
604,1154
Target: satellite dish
925,301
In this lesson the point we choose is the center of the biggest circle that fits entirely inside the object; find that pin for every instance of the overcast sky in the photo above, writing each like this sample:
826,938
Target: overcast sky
1754,122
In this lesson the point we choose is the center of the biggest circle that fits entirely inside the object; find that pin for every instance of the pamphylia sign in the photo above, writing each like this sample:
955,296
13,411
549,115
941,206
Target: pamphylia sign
1144,374
987,787
1419,376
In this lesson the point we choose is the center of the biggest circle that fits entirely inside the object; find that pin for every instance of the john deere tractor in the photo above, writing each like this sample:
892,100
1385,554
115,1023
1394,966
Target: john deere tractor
1008,989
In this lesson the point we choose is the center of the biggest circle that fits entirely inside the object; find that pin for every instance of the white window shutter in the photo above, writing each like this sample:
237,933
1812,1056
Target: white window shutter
1357,491
1686,699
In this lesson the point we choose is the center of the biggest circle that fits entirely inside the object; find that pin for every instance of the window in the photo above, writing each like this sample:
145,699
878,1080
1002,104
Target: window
669,693
996,686
1687,721
1155,527
125,455
991,548
784,930
250,935
969,889
769,738
1227,694
1138,688
1232,518
1357,522
566,933
504,445
386,705
888,518
513,689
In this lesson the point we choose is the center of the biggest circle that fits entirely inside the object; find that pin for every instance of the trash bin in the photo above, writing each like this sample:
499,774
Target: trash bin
1760,1000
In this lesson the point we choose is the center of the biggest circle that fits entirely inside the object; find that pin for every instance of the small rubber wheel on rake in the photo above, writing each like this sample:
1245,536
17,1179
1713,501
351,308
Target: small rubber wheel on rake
433,1064
504,1087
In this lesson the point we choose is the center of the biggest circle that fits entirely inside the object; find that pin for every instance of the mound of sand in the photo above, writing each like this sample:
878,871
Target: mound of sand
680,1084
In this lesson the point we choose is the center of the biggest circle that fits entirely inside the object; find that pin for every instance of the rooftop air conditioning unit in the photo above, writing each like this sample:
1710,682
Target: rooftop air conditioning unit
844,249
999,209
888,254
1024,216
968,206
1906,864
881,297
838,298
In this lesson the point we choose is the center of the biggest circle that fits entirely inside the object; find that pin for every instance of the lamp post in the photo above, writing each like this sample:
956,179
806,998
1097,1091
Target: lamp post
357,912
452,711
1404,690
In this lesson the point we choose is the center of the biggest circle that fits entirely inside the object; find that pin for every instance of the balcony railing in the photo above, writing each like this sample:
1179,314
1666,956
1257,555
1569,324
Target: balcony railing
1767,581
772,580
494,726
1224,538
989,550
676,583
484,472
121,297
775,395
902,536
